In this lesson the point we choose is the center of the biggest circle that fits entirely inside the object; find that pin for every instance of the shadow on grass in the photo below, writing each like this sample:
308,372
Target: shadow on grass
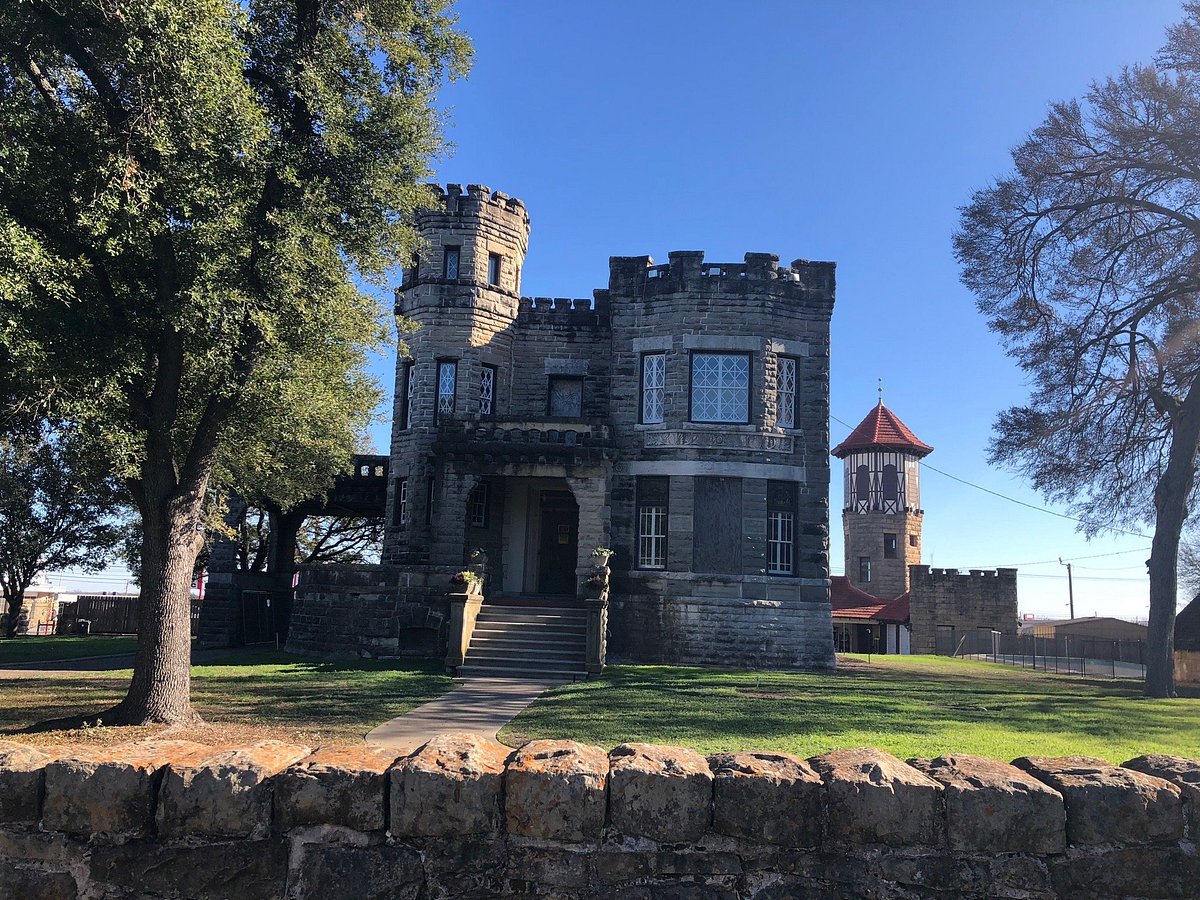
908,707
258,687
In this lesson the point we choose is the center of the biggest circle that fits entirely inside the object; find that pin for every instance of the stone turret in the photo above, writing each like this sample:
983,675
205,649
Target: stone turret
463,293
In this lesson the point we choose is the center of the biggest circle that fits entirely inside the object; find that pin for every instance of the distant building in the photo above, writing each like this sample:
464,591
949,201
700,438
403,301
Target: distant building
887,602
1099,627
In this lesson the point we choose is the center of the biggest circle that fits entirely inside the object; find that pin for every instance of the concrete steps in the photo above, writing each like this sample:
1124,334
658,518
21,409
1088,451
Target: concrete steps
515,641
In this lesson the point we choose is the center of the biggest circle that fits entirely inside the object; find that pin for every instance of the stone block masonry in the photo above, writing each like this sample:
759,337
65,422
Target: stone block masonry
464,816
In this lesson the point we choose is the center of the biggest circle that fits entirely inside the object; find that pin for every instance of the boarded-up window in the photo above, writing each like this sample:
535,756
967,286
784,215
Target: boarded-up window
717,526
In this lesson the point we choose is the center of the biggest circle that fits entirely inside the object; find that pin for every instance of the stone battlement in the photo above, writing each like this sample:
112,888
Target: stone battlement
464,816
565,310
687,270
476,196
931,574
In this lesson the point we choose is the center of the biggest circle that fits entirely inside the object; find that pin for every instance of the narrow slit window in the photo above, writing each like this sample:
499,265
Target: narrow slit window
400,510
654,380
410,394
450,262
487,390
447,386
477,506
785,393
494,268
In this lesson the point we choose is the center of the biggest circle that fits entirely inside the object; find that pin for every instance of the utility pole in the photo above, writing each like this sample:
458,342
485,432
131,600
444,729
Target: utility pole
1070,586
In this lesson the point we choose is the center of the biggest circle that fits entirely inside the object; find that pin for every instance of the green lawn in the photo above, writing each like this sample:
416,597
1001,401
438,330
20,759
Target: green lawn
40,649
248,696
908,705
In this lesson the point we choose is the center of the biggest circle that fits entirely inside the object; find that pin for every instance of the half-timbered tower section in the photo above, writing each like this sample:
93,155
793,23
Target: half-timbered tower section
678,417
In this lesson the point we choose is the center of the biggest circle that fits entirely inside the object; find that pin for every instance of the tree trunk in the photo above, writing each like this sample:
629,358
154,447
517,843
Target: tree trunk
15,604
1170,507
160,691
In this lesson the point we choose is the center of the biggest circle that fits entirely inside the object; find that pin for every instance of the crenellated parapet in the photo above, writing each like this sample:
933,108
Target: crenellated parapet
688,271
931,574
571,311
476,199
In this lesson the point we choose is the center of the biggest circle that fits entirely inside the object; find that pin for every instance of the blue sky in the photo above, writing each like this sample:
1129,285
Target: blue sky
837,131
842,131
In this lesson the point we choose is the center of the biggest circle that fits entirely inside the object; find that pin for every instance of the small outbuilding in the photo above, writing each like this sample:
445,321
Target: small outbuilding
1187,645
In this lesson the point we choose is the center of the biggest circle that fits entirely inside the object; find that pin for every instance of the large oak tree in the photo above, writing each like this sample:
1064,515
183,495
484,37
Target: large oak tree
1086,260
188,191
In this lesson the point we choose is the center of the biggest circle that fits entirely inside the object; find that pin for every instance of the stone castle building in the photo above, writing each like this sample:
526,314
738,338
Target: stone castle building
887,602
679,417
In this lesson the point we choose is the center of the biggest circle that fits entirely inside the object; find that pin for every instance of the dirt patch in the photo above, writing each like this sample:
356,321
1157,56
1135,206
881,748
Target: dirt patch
218,735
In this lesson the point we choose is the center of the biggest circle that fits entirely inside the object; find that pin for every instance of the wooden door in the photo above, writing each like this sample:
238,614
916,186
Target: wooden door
717,526
558,546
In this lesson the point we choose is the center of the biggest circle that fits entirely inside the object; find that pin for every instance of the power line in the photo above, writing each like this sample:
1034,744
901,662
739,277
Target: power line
1046,562
980,487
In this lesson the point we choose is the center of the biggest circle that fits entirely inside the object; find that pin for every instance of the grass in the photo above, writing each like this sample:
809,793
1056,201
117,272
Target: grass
248,696
907,705
49,649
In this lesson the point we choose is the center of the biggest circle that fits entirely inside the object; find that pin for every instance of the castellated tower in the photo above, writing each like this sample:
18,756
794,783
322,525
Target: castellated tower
881,516
463,291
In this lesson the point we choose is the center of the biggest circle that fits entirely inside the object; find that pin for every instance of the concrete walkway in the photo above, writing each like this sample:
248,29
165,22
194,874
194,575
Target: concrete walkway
481,705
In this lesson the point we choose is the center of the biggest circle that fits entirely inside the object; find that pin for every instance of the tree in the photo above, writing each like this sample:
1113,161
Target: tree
55,511
321,540
188,191
1086,260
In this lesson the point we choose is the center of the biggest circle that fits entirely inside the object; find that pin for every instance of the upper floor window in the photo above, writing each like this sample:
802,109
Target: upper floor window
566,397
447,385
487,390
410,394
400,509
864,570
654,379
494,268
890,546
450,262
785,393
720,387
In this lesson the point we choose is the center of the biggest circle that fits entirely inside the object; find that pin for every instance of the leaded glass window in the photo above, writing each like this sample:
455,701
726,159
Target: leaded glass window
654,379
566,397
477,505
447,383
720,387
785,393
450,262
410,393
487,390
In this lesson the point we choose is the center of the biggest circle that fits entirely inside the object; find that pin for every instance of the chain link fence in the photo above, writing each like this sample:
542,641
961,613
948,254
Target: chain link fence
1060,654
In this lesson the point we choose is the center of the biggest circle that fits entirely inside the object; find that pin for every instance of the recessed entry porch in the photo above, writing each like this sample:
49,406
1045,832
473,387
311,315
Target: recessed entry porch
538,532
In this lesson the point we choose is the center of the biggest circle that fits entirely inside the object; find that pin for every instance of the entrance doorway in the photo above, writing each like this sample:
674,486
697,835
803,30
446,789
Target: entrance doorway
558,543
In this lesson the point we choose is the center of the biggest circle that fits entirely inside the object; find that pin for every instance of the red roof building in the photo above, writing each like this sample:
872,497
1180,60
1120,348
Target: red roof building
863,623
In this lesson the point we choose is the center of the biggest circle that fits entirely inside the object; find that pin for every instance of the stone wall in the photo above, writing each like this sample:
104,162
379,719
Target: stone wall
466,817
958,604
1187,668
863,536
374,611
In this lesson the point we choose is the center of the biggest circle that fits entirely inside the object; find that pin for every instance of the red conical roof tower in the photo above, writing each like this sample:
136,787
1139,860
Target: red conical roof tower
882,430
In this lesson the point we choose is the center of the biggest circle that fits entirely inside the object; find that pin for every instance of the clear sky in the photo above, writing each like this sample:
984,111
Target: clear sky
832,131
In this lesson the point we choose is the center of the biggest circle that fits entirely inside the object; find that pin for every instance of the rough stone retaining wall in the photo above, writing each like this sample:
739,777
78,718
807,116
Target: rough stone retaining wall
467,817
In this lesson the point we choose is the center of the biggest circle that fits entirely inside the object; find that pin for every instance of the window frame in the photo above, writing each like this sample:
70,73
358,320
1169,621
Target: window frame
864,566
438,412
478,506
484,370
693,356
400,504
406,403
662,389
782,501
495,268
659,485
891,545
550,382
792,361
448,252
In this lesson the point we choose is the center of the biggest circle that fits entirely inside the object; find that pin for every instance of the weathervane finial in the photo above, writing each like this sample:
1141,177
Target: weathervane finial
880,380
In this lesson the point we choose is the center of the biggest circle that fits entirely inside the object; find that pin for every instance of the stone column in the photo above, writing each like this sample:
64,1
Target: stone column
595,519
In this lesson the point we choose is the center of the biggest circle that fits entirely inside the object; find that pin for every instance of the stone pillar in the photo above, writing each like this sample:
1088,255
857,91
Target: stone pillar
595,519
449,533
